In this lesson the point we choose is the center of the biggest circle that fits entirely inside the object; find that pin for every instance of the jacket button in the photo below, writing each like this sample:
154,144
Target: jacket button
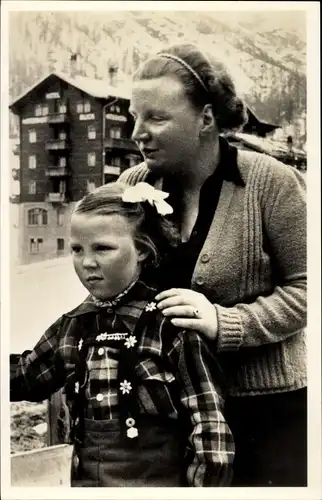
101,351
76,461
200,281
205,257
99,397
109,310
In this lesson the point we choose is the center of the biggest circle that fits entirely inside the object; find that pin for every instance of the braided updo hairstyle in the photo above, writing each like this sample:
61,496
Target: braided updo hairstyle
216,87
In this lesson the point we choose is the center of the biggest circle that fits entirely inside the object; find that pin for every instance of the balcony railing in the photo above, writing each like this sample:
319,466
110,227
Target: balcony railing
56,171
56,197
15,198
16,174
126,144
53,144
57,118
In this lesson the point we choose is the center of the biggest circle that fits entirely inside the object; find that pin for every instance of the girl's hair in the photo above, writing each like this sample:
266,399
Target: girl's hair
205,79
152,231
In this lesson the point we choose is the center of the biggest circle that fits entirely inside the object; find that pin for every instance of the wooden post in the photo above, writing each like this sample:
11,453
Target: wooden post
58,421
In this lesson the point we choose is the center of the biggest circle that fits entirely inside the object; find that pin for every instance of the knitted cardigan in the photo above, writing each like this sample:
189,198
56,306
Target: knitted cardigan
252,267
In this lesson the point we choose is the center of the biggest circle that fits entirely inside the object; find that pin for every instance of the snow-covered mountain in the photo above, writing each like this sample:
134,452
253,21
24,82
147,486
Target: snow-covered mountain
266,52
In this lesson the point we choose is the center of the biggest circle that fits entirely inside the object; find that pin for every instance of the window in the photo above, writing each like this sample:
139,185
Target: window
90,186
116,161
38,110
91,159
115,132
32,161
32,187
62,135
45,110
115,108
133,161
80,107
87,107
37,217
35,245
62,162
62,108
60,244
60,217
32,135
91,132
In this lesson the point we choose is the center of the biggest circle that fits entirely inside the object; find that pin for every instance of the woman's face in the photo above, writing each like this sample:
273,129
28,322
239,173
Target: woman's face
166,124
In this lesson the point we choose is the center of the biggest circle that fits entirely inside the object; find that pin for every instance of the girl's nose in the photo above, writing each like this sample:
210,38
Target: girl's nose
140,132
89,261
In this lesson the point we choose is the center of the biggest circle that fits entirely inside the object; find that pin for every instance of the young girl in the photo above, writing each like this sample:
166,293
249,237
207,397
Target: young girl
145,398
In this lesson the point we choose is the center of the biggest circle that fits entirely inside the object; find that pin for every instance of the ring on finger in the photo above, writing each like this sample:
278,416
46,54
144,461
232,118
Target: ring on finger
195,313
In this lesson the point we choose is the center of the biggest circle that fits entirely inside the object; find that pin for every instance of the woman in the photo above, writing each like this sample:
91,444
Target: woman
239,275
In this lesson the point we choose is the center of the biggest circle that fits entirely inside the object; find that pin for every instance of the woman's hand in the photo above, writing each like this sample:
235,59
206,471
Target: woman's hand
189,309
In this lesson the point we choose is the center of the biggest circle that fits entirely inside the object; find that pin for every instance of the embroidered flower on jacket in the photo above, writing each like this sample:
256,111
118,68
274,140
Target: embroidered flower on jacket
130,341
151,306
126,387
143,191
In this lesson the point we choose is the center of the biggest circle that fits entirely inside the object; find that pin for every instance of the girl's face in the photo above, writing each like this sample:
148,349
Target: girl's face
105,256
167,126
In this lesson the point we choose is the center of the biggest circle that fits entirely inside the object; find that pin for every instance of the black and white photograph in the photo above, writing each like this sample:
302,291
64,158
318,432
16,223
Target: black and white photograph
160,220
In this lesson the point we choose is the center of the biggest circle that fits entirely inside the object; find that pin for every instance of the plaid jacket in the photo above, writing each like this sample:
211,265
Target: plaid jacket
174,369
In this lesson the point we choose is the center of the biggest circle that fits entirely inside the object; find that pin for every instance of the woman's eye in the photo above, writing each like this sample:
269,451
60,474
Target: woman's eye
158,118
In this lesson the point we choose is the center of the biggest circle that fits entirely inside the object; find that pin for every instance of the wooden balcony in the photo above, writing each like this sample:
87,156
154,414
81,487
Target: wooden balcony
16,174
57,118
56,198
56,144
56,171
125,144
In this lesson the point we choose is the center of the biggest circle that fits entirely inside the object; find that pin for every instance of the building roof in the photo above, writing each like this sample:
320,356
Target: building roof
94,87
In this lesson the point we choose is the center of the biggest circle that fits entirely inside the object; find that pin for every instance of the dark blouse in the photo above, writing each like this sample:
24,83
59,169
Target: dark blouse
176,270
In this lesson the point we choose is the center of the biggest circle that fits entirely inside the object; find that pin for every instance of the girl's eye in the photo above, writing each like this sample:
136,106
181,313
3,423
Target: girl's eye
102,248
76,249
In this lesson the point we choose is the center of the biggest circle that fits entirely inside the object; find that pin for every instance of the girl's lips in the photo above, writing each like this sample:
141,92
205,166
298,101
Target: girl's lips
94,278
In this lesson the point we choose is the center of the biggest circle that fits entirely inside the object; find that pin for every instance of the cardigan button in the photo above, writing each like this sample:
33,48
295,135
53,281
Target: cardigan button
99,397
101,351
76,461
205,257
200,281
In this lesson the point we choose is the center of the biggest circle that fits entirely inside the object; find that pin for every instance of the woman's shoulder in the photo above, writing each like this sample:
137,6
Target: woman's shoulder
135,174
266,169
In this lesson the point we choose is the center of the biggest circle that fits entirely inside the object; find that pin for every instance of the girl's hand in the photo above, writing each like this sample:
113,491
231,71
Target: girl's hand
189,309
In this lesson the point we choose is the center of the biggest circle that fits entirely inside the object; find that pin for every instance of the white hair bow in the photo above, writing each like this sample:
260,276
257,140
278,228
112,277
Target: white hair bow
143,191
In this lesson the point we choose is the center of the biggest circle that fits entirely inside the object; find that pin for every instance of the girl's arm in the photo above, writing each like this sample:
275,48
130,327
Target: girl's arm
200,378
35,375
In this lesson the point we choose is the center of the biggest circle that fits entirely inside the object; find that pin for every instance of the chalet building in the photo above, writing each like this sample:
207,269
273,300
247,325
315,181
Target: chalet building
74,136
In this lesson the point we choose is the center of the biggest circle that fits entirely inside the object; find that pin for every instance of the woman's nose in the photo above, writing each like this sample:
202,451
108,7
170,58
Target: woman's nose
140,132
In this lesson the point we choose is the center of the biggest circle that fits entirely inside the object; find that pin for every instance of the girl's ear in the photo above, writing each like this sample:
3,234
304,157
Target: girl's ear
143,253
208,122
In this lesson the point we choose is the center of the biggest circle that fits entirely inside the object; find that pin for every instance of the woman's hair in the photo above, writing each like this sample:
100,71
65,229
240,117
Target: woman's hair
152,232
205,79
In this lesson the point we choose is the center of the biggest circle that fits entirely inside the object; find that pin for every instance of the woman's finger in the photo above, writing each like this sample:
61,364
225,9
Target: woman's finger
181,311
176,300
190,323
170,293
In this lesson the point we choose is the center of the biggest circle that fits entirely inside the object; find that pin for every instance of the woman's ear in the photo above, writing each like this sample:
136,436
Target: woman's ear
208,122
